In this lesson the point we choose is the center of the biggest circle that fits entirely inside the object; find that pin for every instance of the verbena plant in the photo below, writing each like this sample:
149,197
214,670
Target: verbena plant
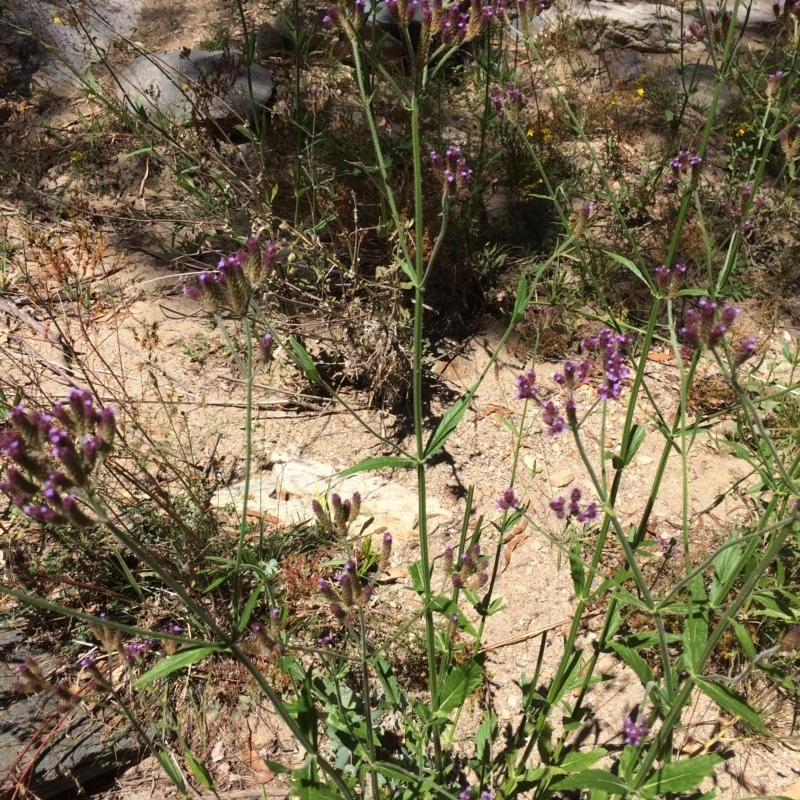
366,728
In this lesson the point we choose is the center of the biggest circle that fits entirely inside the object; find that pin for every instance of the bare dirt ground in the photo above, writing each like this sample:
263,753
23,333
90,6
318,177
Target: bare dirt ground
144,337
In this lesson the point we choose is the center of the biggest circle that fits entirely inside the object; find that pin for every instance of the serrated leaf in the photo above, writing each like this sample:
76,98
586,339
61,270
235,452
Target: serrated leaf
461,681
731,702
578,760
447,606
677,777
592,779
378,462
180,660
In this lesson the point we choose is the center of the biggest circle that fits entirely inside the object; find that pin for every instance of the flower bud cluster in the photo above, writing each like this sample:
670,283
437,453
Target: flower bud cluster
338,514
29,680
705,326
789,139
791,8
669,280
345,592
526,390
537,320
268,635
457,175
472,566
507,98
232,283
386,552
54,456
565,508
684,163
742,208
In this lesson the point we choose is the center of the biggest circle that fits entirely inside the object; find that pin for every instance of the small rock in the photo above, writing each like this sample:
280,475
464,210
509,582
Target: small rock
562,478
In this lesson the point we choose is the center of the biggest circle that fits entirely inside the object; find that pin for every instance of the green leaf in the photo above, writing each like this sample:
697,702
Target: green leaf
592,779
629,265
695,627
731,702
304,361
448,424
462,680
484,738
180,660
521,303
577,569
633,660
378,462
198,769
633,444
677,777
244,619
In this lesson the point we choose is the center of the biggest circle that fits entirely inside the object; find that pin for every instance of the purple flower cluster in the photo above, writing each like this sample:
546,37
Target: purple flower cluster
231,284
470,793
526,390
507,500
55,455
135,650
669,280
507,97
633,732
683,163
711,28
453,165
705,326
565,508
609,347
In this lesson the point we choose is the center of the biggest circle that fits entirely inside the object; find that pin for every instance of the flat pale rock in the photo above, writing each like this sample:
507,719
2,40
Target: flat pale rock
284,495
196,85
